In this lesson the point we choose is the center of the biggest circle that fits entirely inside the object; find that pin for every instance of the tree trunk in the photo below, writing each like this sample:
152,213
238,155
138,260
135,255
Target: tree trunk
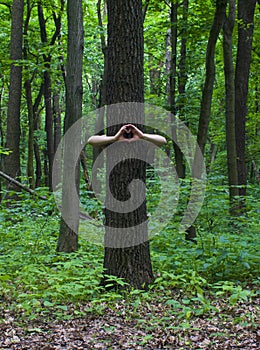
210,74
68,237
28,93
183,75
48,86
56,119
30,167
125,83
230,103
99,126
1,135
57,129
182,80
12,161
246,11
172,87
37,154
47,101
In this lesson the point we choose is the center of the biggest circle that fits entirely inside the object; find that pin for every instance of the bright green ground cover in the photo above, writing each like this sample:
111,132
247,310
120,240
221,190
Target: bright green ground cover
224,263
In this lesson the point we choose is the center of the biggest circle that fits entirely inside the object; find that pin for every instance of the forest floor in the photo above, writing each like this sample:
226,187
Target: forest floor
149,326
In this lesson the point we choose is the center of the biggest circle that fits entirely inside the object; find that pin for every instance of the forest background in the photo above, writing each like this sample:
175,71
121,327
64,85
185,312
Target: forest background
200,63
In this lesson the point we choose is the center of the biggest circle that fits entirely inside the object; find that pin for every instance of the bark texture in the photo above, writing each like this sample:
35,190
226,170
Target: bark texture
230,101
125,83
246,10
12,161
68,237
210,74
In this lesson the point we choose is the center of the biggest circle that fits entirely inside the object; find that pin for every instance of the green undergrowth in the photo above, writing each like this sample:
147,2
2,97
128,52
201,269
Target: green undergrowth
189,277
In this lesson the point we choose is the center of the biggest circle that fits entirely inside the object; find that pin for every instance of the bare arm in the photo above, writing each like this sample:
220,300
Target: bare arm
102,140
158,140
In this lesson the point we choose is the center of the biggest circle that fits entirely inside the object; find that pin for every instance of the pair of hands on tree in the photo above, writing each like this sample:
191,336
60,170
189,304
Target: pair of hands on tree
127,133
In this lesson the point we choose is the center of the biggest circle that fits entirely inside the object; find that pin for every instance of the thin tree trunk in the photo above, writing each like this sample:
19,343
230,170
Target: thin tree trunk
246,11
100,124
1,135
56,119
85,173
12,161
30,167
172,85
47,101
48,86
230,103
37,153
182,80
256,171
210,74
57,130
183,77
38,164
28,93
68,236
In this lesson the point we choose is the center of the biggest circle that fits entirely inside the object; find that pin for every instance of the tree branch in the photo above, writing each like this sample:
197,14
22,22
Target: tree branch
19,184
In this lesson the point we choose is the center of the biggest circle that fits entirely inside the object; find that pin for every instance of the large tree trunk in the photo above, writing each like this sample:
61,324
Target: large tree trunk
68,237
125,83
210,74
246,11
230,103
12,161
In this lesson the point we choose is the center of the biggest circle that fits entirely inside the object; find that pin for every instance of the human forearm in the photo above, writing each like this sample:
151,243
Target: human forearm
131,130
100,140
158,140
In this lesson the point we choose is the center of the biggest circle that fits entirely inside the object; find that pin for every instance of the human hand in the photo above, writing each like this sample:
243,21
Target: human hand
129,132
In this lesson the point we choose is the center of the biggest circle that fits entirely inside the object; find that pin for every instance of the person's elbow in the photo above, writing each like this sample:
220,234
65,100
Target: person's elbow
163,141
92,141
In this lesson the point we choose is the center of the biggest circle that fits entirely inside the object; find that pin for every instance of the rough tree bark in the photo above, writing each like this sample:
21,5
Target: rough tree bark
28,93
230,103
246,10
47,100
37,153
99,126
48,86
172,84
68,237
125,83
183,76
210,74
1,135
12,161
